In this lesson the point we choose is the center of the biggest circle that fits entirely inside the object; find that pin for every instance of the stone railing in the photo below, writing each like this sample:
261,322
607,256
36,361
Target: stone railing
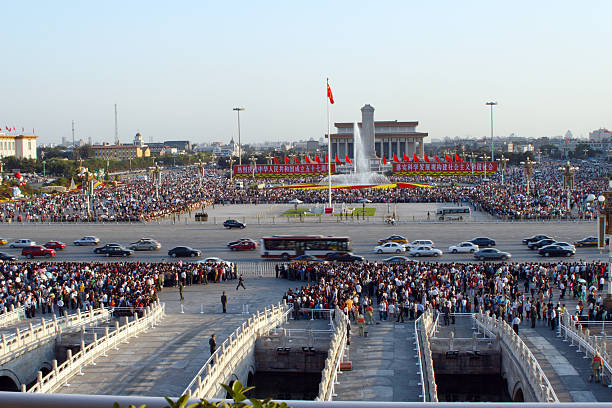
571,329
15,344
517,349
424,327
12,315
60,375
335,354
222,363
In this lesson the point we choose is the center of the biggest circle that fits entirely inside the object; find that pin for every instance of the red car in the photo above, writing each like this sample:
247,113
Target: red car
245,245
57,245
37,250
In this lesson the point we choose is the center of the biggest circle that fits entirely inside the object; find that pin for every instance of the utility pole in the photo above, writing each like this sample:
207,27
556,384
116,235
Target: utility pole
491,104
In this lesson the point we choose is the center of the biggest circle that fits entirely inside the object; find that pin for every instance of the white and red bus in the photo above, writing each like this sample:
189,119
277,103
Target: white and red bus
290,246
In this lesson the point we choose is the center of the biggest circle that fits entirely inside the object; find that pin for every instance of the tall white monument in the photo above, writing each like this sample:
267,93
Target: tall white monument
367,131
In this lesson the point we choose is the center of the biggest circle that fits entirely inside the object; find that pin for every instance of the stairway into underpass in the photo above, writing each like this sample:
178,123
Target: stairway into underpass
385,366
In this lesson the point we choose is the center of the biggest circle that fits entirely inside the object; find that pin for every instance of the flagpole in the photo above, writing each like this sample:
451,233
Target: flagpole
328,148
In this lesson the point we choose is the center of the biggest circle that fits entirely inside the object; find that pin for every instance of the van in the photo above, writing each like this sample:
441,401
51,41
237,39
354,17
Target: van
239,184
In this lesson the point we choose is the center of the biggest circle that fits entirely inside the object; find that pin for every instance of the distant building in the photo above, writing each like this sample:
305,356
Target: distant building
108,151
20,146
181,145
600,136
161,149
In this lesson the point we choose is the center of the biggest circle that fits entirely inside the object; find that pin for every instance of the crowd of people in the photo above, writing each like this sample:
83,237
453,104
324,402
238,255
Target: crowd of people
140,198
55,287
534,291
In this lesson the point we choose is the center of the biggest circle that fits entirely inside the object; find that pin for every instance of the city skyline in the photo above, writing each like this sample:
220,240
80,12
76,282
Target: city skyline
177,71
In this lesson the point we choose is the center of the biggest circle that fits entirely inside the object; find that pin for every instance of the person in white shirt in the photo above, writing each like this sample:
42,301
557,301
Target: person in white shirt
515,324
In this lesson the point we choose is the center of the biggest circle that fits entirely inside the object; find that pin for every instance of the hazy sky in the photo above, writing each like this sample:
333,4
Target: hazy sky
176,69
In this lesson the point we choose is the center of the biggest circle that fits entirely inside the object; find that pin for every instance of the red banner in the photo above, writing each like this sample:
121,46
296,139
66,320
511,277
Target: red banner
282,170
464,168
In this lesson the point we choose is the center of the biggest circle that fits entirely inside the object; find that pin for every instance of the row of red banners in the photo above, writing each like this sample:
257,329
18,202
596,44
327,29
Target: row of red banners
282,169
462,167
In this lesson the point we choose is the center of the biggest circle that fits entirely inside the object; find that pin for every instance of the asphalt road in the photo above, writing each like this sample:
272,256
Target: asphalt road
212,239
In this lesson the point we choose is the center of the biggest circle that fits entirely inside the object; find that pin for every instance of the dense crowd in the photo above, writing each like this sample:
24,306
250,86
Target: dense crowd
140,199
56,287
403,292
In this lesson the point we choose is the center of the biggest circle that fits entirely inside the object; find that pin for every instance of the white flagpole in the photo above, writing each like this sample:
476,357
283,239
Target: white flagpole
329,189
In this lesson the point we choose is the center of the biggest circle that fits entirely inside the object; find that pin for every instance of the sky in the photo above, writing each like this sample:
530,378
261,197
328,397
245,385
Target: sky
176,69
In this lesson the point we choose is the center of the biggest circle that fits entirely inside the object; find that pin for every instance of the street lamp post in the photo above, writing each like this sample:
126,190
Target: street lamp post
473,160
238,110
485,158
528,164
201,171
568,180
270,159
604,230
157,178
492,104
502,163
231,163
253,160
43,169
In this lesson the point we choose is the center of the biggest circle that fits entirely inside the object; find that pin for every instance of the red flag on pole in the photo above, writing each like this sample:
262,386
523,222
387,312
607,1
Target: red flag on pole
317,159
406,158
326,159
384,159
436,157
416,158
395,159
329,93
447,158
297,161
426,158
286,160
338,160
348,159
457,158
306,159
276,160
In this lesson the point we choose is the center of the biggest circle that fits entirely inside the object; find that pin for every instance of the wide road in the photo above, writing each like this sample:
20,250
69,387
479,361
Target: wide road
212,239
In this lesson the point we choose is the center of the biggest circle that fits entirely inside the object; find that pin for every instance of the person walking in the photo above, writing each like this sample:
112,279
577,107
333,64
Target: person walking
361,323
212,342
240,283
181,291
533,314
596,365
515,324
224,302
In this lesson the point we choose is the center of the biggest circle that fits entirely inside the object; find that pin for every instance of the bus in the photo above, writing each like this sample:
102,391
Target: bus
453,213
290,246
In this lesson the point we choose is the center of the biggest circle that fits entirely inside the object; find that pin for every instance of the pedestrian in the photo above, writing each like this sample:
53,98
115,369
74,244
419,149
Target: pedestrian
60,305
533,315
515,324
213,344
361,323
596,364
224,302
240,283
181,291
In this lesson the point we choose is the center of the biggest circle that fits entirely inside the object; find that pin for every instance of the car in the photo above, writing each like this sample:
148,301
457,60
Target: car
306,258
566,245
229,224
21,243
491,253
483,242
215,260
419,242
589,242
56,245
182,251
393,238
6,257
246,245
87,240
145,245
398,259
106,247
541,243
343,257
389,247
555,250
37,250
229,244
463,247
119,251
535,238
3,241
424,250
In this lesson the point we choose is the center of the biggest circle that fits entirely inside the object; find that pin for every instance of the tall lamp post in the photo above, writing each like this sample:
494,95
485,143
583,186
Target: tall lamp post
603,234
201,171
270,159
528,164
568,180
157,175
485,158
492,104
473,160
231,164
502,162
238,110
253,160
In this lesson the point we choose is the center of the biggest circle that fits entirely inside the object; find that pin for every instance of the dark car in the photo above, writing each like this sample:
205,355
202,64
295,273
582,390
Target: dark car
183,251
106,248
229,244
6,257
37,250
398,260
306,258
589,242
246,245
119,251
555,250
535,238
483,242
57,245
491,254
343,257
229,224
541,243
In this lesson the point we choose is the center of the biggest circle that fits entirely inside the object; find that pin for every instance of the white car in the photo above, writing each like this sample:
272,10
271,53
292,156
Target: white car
566,245
463,247
89,240
21,243
425,251
389,248
418,243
